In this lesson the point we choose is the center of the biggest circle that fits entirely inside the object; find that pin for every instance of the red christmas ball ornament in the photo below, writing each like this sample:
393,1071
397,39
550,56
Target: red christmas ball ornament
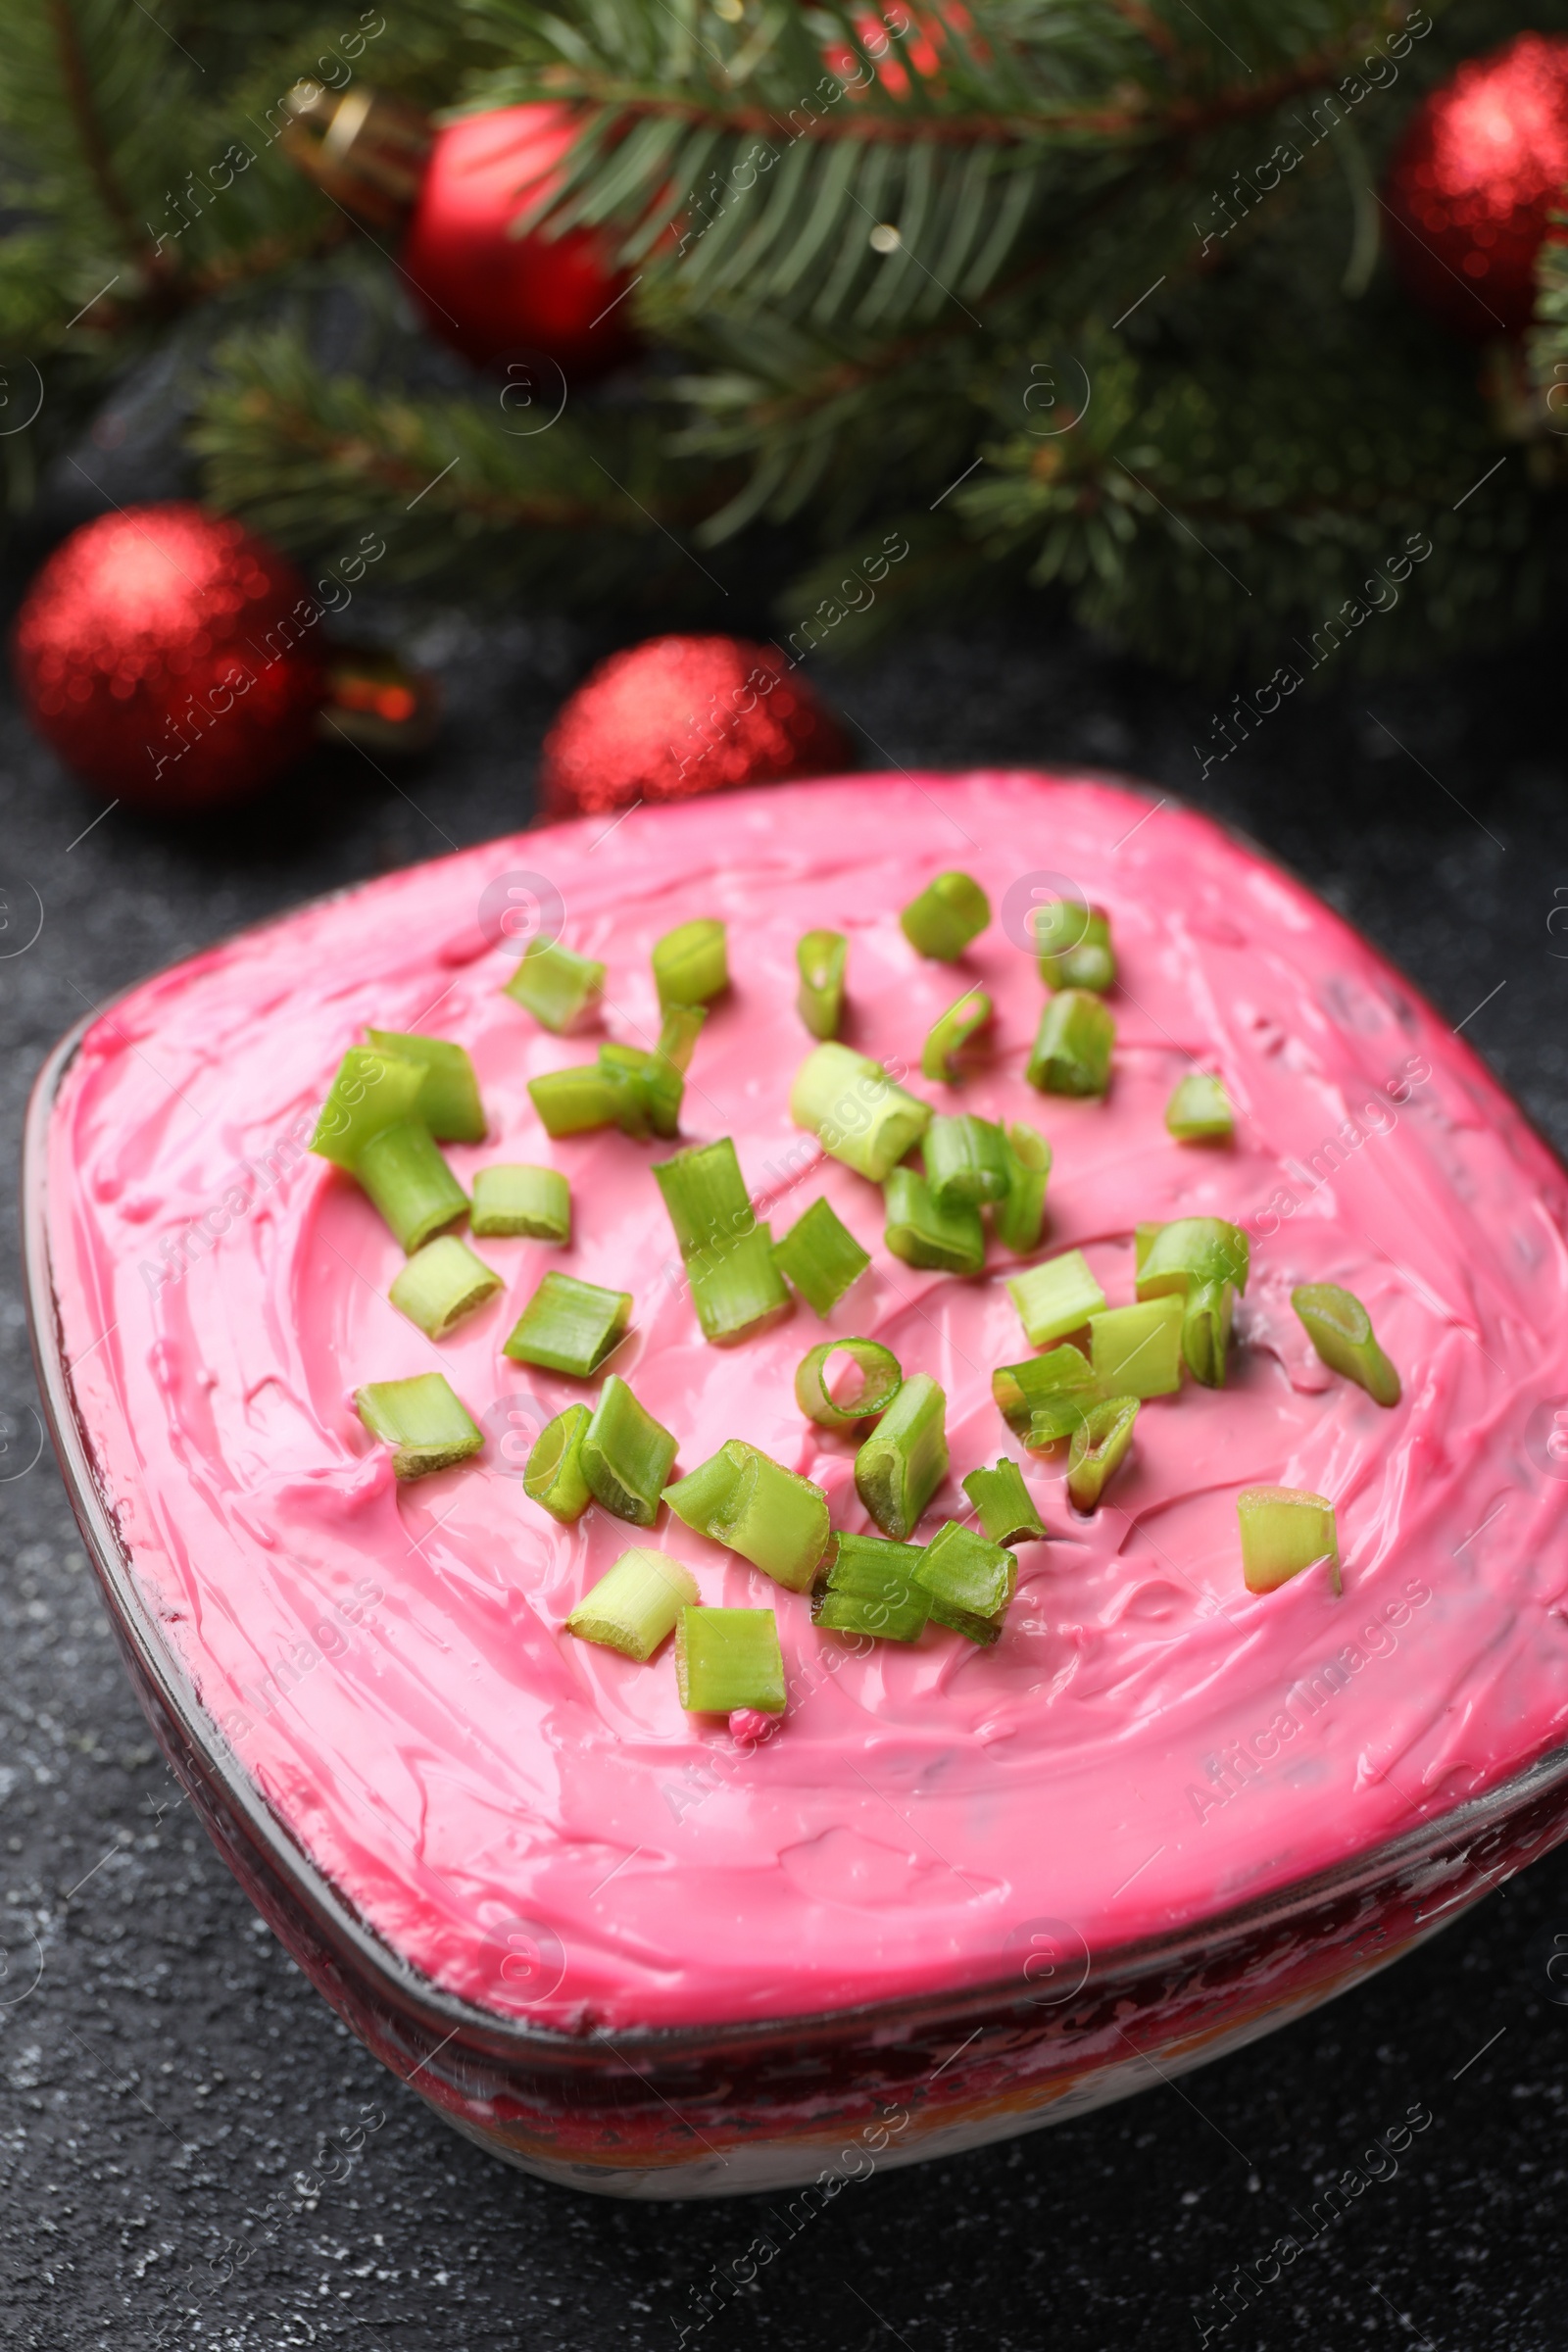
681,716
1480,163
159,651
487,292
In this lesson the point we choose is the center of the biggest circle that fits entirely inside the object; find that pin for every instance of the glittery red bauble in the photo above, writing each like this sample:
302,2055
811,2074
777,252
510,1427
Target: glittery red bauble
1480,163
163,653
486,292
680,716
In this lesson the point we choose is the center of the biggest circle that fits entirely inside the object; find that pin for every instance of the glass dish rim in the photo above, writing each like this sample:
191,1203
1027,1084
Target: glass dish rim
396,1979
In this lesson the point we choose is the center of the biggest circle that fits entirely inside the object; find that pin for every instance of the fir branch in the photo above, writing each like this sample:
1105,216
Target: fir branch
1546,347
308,458
730,166
258,262
1201,511
78,85
936,106
844,428
1176,121
1027,166
103,107
1151,28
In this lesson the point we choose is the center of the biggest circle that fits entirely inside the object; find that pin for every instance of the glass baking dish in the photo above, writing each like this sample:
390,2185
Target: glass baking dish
714,2111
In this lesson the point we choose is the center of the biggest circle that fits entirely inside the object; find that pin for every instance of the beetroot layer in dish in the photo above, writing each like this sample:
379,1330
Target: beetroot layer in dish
533,1821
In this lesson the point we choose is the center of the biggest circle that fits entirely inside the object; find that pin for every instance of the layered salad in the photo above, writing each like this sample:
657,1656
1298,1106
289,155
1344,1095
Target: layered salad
825,1394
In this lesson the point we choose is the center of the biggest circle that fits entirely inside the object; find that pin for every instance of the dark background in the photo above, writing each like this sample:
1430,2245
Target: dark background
170,2072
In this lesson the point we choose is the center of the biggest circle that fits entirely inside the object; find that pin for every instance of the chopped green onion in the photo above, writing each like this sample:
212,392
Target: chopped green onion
1073,943
649,1090
554,1476
1020,1214
1099,1443
903,1462
1192,1249
425,1425
569,1326
664,1090
820,1257
772,1517
949,913
736,1286
1285,1530
1137,1351
879,1382
369,1092
1340,1330
559,989
1206,1331
728,1257
635,1604
1144,1236
870,1589
691,963
1006,1509
536,1201
823,957
1055,1297
947,1037
1203,1261
441,1284
628,1086
630,1068
703,1498
1062,1417
409,1182
924,1233
678,1032
970,1580
966,1159
449,1099
704,1195
1072,1047
895,1610
1199,1111
729,1658
856,1112
570,1102
626,1455
1046,1397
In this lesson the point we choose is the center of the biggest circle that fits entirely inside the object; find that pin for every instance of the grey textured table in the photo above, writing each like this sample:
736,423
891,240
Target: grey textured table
168,2081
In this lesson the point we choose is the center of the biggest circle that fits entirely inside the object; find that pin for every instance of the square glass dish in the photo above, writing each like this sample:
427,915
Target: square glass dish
961,1892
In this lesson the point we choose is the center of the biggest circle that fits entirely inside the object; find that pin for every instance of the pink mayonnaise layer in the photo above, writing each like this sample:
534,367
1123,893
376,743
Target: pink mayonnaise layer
533,1821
